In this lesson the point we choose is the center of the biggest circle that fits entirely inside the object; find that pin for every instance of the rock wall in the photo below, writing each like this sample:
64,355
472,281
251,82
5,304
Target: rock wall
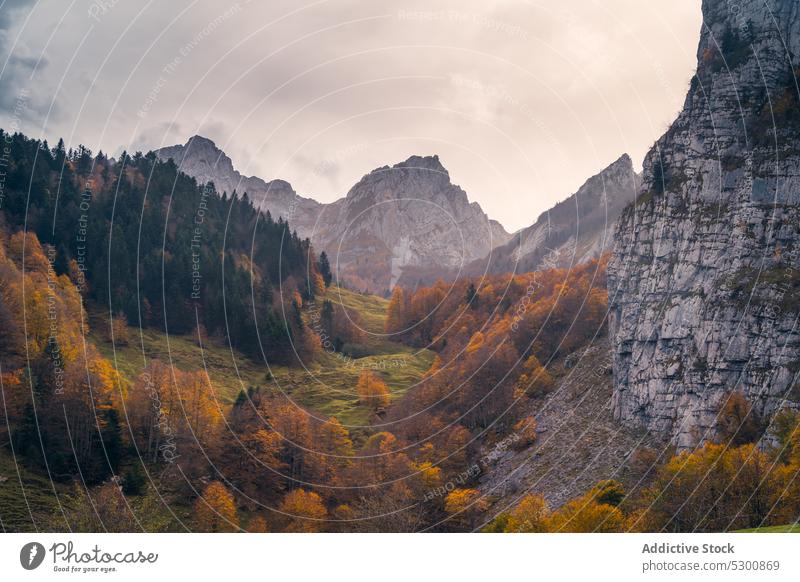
704,285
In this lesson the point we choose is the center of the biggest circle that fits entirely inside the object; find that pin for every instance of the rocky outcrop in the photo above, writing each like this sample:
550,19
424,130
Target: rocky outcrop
704,284
576,230
401,224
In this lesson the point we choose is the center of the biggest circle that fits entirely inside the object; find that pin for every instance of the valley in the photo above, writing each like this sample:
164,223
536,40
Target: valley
186,348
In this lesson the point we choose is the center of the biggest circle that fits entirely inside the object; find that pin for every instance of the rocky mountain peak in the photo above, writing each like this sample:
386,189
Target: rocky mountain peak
200,158
407,223
573,231
426,163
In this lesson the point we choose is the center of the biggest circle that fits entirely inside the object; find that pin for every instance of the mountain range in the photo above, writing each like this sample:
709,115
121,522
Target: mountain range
409,224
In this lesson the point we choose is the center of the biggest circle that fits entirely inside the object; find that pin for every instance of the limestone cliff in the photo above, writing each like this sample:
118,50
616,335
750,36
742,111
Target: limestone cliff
704,286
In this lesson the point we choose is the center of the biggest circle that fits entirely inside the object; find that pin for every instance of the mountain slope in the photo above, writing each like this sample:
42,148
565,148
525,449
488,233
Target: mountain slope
574,231
704,285
201,159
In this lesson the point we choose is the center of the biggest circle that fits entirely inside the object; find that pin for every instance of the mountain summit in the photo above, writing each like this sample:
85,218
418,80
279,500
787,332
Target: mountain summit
200,158
406,223
574,231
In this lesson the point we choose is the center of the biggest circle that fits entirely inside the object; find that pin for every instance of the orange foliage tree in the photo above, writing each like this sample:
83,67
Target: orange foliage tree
372,391
215,510
305,511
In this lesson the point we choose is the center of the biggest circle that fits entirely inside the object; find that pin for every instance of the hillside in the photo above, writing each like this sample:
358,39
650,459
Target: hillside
578,442
325,386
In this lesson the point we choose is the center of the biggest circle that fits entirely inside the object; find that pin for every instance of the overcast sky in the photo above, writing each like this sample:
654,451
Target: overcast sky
522,100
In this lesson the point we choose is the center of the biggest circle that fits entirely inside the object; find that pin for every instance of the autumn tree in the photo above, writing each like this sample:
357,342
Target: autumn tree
535,380
737,422
463,506
215,510
305,510
102,509
372,391
525,430
716,488
531,515
396,312
119,334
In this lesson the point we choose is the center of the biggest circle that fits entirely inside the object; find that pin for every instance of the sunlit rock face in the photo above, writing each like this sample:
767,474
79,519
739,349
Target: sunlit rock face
704,284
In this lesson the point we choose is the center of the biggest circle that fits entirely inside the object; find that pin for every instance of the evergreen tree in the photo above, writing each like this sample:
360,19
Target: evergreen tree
325,268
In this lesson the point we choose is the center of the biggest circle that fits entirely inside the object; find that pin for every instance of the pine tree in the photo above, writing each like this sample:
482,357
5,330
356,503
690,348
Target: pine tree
324,267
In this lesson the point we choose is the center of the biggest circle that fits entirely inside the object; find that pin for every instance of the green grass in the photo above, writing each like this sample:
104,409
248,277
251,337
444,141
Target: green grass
229,371
24,494
371,307
795,528
328,385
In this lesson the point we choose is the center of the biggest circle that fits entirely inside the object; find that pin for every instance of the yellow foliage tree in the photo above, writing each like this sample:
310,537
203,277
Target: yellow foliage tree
463,506
535,380
215,510
372,391
531,515
305,511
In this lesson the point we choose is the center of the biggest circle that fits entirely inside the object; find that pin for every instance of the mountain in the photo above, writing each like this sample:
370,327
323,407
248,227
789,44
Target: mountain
400,224
203,160
574,231
704,284
404,224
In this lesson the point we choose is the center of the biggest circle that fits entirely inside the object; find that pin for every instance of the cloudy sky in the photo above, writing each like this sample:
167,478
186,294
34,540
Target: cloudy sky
522,99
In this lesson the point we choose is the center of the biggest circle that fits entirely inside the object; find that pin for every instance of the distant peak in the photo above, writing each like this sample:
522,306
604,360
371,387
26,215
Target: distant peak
624,160
199,140
431,163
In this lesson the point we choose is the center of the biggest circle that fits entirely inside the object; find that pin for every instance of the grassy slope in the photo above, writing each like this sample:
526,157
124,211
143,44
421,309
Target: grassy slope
326,387
774,529
24,494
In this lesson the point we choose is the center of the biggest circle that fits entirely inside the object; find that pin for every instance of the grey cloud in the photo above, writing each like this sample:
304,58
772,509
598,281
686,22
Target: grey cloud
549,93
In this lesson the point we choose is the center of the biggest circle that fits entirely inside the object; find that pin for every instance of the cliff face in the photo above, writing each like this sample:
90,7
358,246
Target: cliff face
576,230
704,286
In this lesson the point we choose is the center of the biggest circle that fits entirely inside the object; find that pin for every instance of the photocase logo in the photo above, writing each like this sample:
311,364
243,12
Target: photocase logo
31,555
